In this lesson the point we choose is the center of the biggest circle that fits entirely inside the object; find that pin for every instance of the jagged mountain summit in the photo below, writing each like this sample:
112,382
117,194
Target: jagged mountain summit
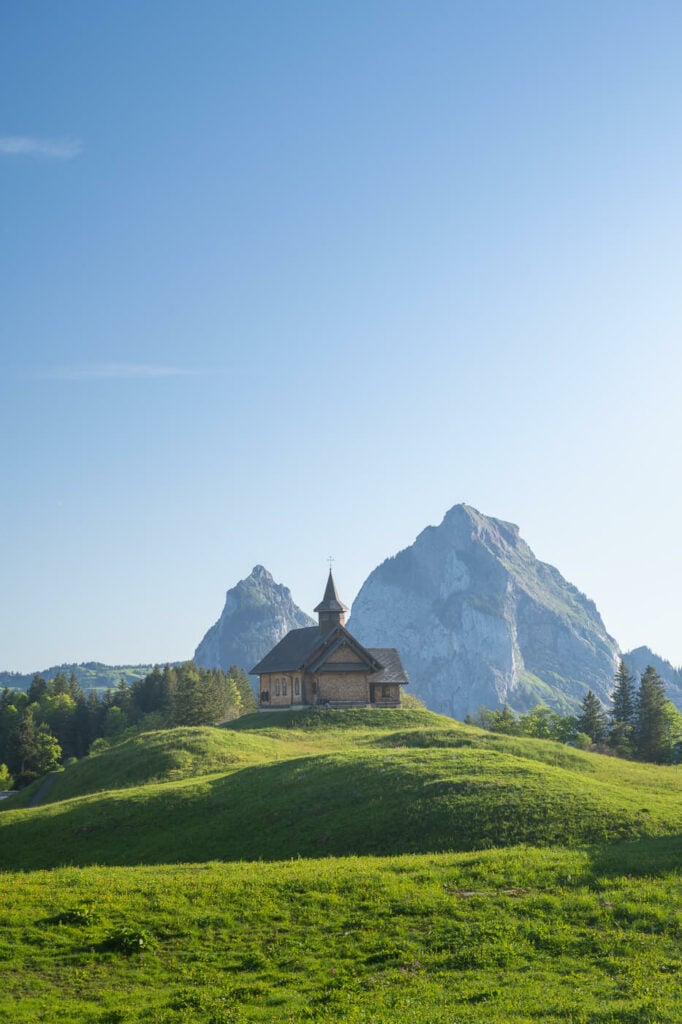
258,612
480,621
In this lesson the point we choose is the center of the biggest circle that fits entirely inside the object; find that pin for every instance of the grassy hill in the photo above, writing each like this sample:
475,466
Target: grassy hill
339,783
387,867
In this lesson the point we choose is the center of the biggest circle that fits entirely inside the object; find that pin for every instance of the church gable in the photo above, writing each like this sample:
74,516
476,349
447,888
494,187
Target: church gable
339,649
344,653
326,665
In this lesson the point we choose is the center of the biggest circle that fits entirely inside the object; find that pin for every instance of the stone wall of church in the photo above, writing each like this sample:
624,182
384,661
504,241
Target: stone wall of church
344,686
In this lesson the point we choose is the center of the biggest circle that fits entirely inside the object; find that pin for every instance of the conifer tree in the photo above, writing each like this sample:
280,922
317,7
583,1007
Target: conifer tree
592,719
623,712
651,727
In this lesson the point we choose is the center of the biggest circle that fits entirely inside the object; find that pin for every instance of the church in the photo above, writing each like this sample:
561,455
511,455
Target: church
325,665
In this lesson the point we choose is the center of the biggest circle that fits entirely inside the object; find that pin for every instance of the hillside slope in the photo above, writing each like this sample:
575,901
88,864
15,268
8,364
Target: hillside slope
338,784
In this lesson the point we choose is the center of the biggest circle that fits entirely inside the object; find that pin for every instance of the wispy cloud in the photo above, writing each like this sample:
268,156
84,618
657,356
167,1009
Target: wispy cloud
117,371
41,149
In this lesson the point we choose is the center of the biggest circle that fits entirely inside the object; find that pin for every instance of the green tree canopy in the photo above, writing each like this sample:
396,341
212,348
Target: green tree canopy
650,731
592,719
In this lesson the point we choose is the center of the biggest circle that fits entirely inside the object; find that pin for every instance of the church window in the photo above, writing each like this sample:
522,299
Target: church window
297,686
276,687
284,687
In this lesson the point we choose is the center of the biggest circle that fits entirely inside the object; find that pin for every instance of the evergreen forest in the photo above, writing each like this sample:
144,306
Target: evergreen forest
56,721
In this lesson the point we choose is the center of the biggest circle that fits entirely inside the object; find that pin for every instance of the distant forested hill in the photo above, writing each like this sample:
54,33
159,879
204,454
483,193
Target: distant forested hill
91,675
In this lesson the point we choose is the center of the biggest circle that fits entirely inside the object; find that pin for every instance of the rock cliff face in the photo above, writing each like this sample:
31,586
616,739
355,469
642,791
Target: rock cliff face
257,614
478,620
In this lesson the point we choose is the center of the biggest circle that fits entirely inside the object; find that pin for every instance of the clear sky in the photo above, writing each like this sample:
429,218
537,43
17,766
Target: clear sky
286,279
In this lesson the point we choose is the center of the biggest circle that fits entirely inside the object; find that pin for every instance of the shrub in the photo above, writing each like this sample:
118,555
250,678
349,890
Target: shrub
127,940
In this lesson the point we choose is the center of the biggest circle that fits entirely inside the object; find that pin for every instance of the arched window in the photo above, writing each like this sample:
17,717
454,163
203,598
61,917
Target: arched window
297,686
284,687
276,687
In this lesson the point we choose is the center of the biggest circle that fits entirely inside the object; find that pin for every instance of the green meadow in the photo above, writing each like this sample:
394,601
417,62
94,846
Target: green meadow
363,866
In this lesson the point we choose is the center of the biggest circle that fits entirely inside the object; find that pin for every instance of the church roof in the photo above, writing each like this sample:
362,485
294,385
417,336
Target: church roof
331,601
393,671
291,652
308,648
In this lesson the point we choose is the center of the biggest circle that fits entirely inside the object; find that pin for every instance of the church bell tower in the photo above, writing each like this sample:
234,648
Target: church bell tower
331,611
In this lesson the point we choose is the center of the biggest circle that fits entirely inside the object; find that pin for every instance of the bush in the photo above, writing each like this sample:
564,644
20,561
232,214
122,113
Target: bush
127,940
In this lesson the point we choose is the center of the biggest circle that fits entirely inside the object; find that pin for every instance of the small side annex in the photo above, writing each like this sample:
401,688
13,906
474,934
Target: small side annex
326,665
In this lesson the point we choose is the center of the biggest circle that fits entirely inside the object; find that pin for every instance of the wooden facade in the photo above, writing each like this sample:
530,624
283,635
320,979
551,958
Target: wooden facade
325,665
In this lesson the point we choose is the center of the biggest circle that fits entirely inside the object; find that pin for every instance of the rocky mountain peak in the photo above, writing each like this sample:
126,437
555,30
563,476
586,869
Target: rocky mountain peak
258,612
479,620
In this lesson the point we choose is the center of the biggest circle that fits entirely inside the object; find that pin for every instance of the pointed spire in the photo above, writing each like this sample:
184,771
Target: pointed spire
331,610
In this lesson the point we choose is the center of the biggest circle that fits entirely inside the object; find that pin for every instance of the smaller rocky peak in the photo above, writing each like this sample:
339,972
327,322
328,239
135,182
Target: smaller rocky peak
258,612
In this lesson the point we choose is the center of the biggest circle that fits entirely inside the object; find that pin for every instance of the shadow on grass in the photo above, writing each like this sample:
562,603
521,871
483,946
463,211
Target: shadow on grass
642,857
368,803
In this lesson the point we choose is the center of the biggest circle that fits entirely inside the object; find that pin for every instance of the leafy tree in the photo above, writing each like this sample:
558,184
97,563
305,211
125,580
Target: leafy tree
47,753
245,689
672,739
494,720
115,722
650,730
58,712
32,749
592,719
407,700
545,724
5,777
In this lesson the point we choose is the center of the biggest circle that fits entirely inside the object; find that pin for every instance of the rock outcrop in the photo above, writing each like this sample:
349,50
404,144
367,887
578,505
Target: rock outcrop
258,612
479,621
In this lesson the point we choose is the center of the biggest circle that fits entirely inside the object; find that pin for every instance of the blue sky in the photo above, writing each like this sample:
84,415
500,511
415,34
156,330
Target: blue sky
284,280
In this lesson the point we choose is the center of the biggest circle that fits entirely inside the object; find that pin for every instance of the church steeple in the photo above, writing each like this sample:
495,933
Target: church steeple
331,610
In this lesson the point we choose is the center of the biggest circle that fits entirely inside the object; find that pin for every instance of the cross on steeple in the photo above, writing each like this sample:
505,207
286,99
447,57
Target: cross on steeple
331,561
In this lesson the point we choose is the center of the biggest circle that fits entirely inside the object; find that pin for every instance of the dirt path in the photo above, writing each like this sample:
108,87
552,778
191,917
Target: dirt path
42,789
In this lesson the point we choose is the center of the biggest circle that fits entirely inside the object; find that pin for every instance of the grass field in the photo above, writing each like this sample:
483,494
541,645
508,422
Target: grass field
520,935
319,879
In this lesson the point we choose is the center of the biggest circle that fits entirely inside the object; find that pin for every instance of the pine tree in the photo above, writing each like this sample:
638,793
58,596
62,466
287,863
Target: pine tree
592,719
651,727
623,712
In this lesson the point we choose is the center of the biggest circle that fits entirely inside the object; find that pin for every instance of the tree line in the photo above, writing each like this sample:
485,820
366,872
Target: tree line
640,723
55,720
